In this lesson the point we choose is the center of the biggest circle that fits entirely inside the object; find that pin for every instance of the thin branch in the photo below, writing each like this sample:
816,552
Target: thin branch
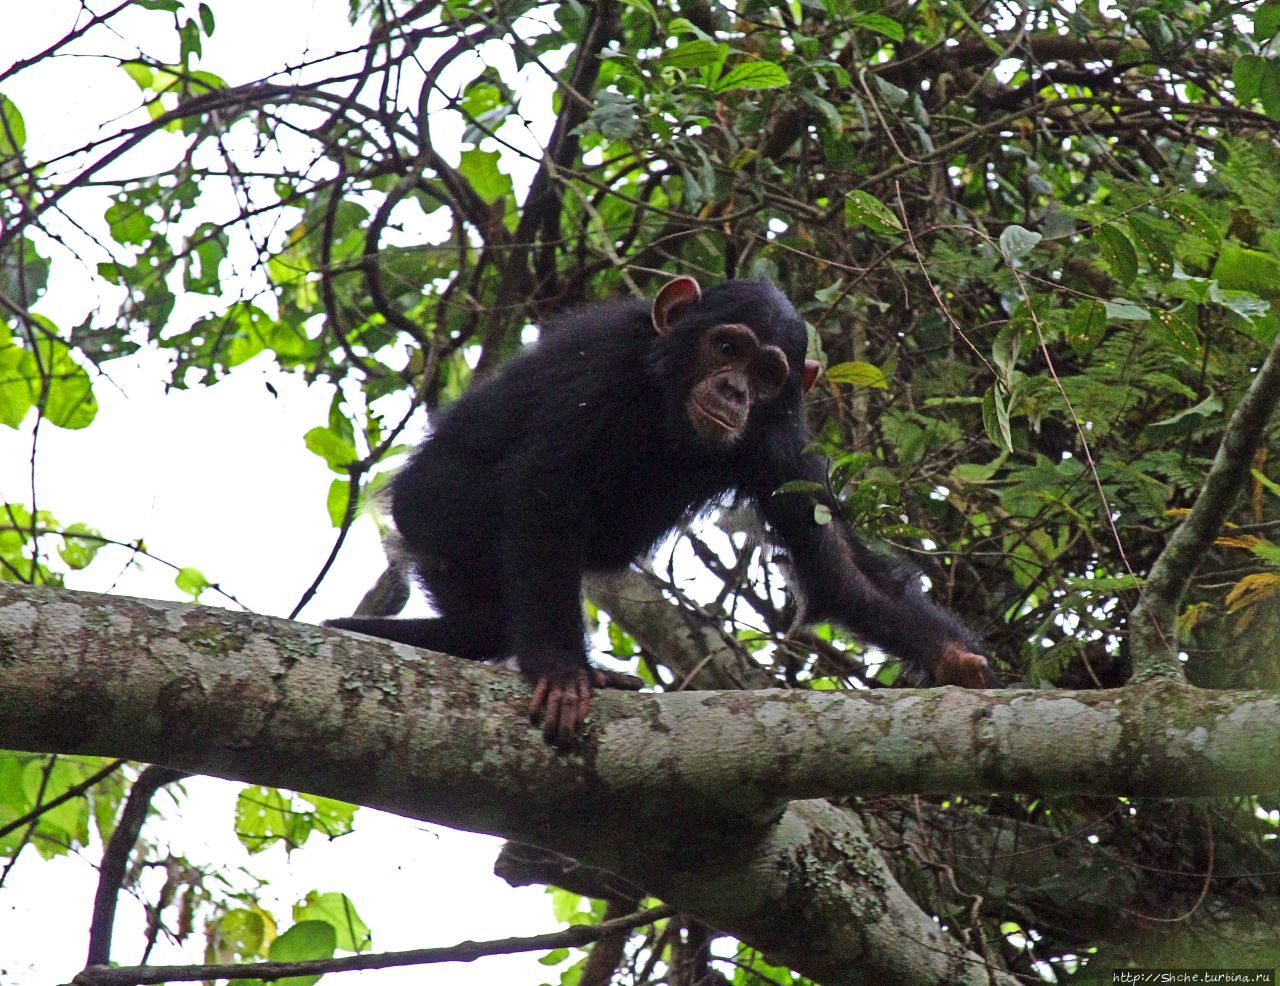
115,858
1153,634
575,936
72,792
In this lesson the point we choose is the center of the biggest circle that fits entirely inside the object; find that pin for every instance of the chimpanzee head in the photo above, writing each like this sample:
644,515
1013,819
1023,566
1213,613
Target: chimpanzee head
737,350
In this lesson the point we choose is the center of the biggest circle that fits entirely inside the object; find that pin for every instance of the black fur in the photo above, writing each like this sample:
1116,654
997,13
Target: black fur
580,455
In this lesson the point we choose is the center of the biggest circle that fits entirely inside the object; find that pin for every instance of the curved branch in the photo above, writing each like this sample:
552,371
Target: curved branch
115,858
1153,633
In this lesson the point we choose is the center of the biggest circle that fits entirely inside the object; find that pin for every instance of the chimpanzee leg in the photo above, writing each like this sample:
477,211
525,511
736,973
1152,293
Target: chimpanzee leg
461,639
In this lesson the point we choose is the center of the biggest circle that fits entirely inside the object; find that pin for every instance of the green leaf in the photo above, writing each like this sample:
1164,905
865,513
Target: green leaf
975,472
141,75
239,935
881,24
758,74
1269,88
1184,422
1266,22
799,486
480,168
858,373
1152,238
305,940
336,451
330,817
192,582
265,815
895,96
1117,253
1086,326
1241,269
1265,482
480,97
13,129
1193,219
80,543
694,54
863,209
682,25
1246,304
995,418
65,826
69,401
337,911
19,380
615,116
1017,242
1123,310
565,904
1007,346
337,500
1246,75
1178,334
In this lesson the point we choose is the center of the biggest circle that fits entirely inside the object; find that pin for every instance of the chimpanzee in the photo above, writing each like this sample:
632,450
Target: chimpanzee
579,455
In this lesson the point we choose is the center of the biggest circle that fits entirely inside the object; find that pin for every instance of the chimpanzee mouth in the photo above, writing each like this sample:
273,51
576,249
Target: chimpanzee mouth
726,423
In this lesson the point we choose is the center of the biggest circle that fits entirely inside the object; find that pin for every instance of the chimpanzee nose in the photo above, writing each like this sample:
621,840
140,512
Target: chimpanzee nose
732,390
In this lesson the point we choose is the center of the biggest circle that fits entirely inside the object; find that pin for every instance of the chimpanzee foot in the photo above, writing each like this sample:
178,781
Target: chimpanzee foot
560,703
604,678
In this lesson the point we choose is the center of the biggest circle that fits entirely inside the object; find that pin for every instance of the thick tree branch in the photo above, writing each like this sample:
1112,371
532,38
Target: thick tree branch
270,702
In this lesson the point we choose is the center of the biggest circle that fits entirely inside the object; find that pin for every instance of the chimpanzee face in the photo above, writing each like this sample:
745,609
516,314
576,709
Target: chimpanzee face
735,369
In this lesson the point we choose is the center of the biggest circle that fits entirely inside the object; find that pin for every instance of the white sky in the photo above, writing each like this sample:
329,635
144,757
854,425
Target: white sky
219,479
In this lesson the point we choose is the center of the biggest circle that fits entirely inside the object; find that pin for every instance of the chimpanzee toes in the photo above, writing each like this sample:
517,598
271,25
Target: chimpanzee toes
604,678
561,703
966,669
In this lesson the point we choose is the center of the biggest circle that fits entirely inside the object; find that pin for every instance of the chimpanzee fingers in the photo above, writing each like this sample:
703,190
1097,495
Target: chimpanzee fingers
561,726
966,669
604,678
538,704
553,717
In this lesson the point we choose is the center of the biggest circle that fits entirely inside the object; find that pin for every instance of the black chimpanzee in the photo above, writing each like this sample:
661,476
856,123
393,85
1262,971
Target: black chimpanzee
583,452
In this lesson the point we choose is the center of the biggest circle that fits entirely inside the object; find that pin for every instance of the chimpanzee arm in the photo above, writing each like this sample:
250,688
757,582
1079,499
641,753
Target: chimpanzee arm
875,596
542,572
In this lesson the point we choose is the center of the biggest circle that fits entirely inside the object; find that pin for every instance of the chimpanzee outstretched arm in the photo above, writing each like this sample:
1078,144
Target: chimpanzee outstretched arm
871,594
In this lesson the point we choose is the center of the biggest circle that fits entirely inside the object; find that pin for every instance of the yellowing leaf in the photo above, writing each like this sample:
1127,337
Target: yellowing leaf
1245,541
1191,616
1253,589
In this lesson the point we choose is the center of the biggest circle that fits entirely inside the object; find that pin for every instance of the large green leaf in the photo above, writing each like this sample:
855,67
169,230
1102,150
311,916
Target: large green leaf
752,75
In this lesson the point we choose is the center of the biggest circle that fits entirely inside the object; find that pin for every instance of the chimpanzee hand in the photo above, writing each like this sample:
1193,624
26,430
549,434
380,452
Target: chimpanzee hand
958,666
561,700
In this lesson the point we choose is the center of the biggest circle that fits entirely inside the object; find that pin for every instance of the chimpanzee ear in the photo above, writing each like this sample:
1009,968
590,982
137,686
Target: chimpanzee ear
811,370
674,298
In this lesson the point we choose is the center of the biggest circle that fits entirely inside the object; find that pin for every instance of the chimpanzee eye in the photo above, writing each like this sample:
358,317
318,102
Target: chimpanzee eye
728,348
